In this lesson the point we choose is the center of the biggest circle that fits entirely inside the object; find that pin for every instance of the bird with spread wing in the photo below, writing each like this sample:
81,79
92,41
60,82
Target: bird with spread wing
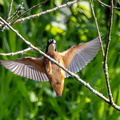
42,69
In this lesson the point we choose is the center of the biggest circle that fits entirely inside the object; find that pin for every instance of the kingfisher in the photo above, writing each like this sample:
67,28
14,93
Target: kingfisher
42,69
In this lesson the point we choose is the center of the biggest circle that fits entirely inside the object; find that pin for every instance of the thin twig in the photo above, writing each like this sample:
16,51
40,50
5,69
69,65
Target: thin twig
10,9
14,14
45,12
55,62
97,27
16,53
103,4
105,66
20,7
24,13
106,54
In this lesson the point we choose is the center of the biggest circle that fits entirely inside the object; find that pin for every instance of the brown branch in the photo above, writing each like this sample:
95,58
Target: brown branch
45,12
55,62
16,53
103,4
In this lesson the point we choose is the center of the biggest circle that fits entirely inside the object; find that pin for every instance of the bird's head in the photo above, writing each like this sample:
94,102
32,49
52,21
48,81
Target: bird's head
51,45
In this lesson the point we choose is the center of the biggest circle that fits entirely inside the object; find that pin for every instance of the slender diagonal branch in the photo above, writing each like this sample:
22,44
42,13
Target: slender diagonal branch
45,12
97,27
55,62
16,53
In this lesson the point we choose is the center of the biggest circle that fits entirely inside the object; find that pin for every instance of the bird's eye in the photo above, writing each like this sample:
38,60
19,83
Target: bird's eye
50,41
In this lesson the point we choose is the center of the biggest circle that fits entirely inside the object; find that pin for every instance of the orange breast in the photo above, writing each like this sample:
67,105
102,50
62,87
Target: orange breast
55,74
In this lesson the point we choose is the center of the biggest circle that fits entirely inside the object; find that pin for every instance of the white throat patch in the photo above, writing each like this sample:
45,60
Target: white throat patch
51,47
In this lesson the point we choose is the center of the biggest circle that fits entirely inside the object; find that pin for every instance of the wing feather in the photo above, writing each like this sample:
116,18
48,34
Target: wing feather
28,67
38,76
80,55
19,69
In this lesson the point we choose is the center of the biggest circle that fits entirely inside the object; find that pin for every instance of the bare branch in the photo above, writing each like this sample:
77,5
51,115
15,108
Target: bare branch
16,53
103,4
45,12
10,9
97,27
20,7
24,13
55,62
105,66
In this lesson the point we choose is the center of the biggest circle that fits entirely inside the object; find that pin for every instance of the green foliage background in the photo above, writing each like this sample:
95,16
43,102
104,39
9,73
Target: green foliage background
24,99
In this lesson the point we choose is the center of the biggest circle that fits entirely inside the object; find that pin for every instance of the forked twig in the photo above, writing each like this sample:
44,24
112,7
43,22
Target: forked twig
45,12
103,4
24,13
105,65
105,54
20,7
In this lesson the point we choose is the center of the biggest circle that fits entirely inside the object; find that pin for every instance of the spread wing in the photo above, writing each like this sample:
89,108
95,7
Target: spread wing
80,55
28,67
